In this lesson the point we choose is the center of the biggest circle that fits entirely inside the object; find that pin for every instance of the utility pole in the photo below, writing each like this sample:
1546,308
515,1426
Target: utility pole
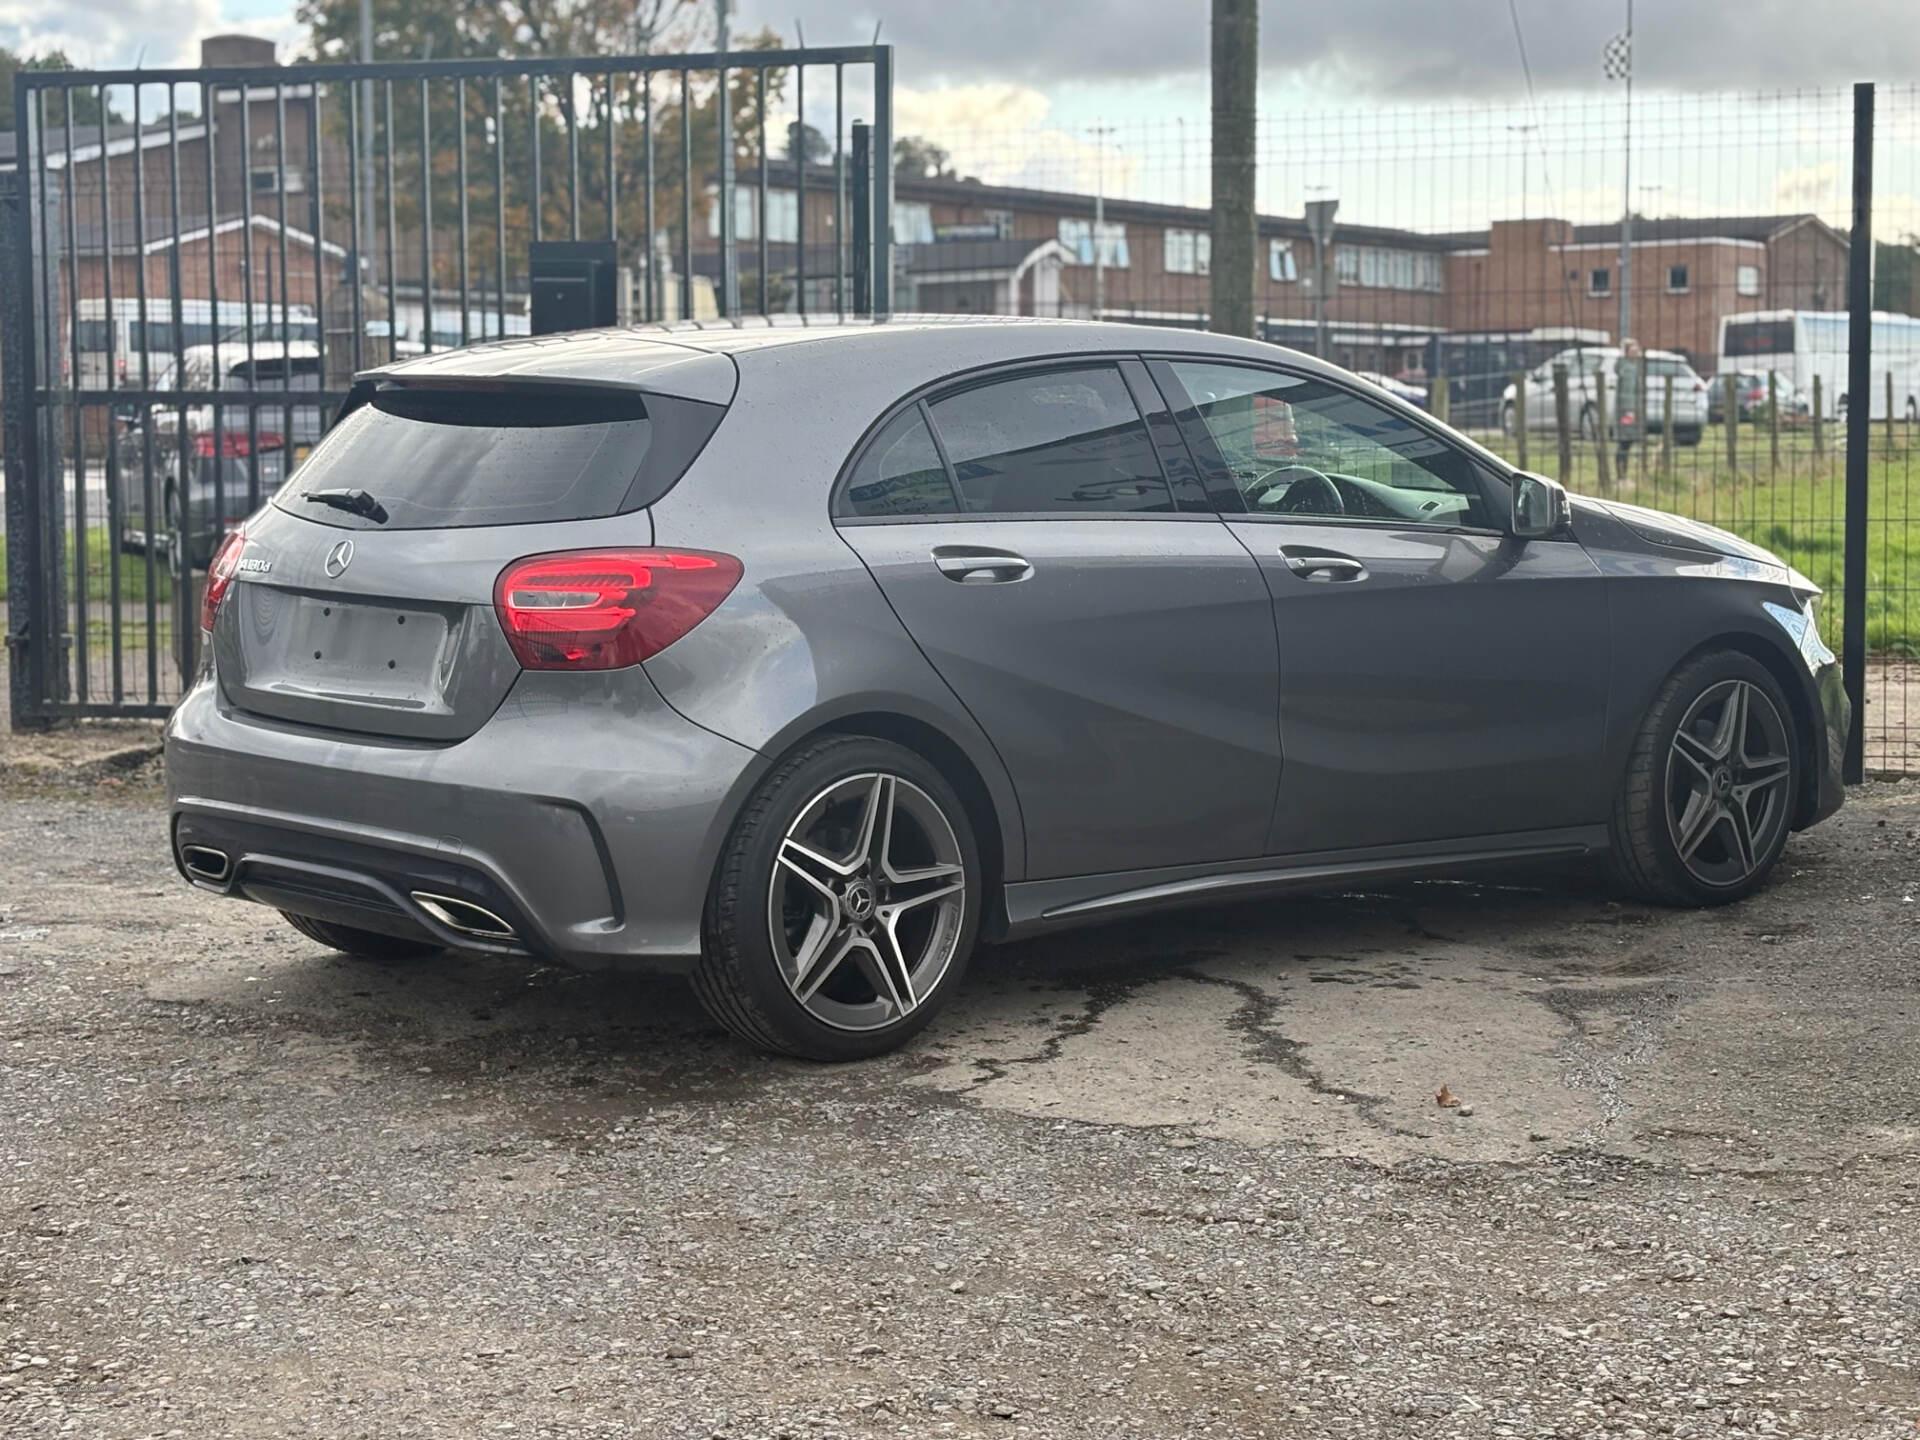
365,100
1100,134
1236,73
729,266
1626,195
1526,157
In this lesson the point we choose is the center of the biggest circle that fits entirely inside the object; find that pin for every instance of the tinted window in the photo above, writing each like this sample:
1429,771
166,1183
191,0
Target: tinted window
1760,337
900,473
437,458
1064,442
1296,446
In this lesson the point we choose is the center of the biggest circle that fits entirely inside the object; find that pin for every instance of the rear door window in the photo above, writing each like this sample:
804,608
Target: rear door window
440,458
1062,442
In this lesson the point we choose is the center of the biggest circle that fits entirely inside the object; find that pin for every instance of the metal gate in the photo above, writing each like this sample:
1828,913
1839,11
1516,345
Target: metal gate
194,263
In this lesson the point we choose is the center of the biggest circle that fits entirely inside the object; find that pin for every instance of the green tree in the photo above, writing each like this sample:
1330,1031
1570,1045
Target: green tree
86,103
594,111
916,158
1896,276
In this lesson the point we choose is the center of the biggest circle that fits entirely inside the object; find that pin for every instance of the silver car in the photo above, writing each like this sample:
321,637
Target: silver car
803,659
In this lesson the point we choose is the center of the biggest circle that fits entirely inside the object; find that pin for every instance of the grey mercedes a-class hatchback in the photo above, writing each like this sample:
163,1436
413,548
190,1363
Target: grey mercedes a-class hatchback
804,658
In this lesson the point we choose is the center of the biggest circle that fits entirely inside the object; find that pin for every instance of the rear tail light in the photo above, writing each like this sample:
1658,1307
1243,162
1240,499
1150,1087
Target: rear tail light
226,560
604,609
235,443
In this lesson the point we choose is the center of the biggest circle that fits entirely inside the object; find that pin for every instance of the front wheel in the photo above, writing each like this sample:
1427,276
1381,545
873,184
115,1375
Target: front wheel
845,905
1708,796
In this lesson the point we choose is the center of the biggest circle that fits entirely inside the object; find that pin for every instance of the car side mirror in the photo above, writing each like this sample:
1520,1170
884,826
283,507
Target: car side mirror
1540,506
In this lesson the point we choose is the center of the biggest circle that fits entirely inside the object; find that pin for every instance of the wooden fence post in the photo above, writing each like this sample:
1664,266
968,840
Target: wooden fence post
1819,439
1889,412
1773,423
1520,415
1562,424
1730,418
1666,432
1600,429
1640,410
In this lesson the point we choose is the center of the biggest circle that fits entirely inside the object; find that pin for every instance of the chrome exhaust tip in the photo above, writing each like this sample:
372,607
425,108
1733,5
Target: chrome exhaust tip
463,917
203,862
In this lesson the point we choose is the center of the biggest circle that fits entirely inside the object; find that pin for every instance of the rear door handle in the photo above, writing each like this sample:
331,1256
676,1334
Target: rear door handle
970,565
1334,567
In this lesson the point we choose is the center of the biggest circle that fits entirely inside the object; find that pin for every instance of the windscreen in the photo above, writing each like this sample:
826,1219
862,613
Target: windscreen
438,458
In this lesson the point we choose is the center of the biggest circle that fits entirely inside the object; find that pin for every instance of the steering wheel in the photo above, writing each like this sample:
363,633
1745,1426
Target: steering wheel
1296,490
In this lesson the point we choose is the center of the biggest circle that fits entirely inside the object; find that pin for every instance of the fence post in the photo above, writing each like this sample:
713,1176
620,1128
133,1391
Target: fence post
881,161
1819,427
1520,416
1440,398
1853,633
1889,411
1773,423
1563,424
1600,428
1640,409
1666,432
862,218
26,590
1730,420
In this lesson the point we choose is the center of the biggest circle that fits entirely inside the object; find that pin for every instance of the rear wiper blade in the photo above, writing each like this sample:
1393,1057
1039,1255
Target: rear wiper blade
354,502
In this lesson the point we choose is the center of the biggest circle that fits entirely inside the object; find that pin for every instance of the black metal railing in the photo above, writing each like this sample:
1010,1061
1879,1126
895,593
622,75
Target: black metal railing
196,262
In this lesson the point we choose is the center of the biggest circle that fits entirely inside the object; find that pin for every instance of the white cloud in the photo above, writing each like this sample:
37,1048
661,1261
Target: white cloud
999,133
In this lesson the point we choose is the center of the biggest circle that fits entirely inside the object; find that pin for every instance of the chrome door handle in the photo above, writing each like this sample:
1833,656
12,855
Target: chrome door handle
981,567
1340,567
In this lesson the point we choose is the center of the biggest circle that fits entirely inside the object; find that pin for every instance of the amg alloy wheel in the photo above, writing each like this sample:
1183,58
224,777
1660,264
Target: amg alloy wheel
1727,774
845,905
1711,783
865,904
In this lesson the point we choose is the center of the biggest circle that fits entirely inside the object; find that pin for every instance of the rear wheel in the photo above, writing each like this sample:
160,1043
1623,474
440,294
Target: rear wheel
1708,796
361,944
1589,423
1508,421
845,905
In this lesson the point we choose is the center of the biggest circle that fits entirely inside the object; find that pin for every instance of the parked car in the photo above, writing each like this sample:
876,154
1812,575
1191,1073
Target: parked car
1583,398
1751,388
235,450
1393,385
801,659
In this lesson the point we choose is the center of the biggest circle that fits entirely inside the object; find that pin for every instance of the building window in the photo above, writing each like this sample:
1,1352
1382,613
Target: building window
269,181
1346,265
1078,236
1188,252
1375,268
1280,264
1676,279
1599,283
1746,280
1002,222
912,222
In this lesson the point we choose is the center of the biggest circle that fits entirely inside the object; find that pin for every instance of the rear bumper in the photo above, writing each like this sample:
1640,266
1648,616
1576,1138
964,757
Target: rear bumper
586,814
1835,719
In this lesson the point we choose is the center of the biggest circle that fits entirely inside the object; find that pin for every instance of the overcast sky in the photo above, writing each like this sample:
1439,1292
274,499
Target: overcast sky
1355,49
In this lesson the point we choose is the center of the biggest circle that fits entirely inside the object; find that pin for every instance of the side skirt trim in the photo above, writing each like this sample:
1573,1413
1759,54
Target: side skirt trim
1040,904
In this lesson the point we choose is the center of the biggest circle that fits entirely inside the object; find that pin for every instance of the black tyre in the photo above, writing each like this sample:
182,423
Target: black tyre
1589,423
1509,422
845,904
1708,797
361,944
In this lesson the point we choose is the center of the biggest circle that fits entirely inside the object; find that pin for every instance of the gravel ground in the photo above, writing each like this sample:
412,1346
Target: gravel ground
1184,1177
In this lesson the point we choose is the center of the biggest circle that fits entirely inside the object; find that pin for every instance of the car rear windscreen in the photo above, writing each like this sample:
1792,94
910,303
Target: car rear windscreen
436,458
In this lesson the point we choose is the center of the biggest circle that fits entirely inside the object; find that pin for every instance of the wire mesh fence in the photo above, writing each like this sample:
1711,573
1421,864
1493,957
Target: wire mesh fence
262,235
1668,329
201,261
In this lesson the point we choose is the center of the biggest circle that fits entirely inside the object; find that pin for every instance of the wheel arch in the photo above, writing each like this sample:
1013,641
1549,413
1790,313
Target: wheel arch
950,758
1791,676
